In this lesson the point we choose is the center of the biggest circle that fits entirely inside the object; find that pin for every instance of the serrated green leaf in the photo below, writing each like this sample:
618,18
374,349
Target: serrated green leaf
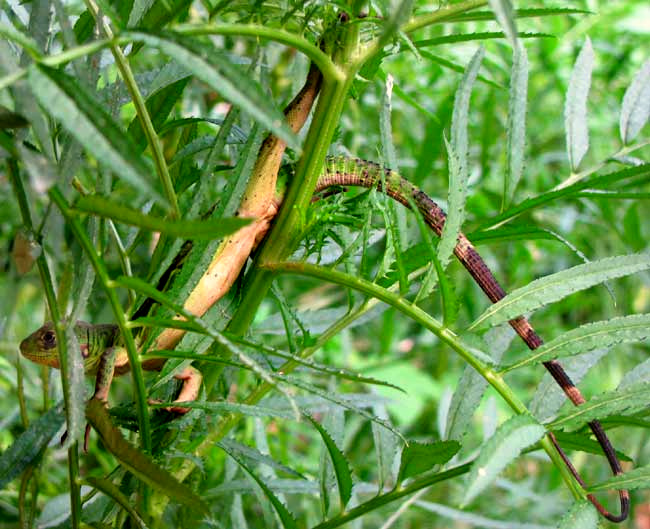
557,286
287,519
505,15
601,182
339,400
113,492
583,443
639,478
549,397
189,229
480,35
629,400
516,129
257,456
218,407
636,105
159,105
420,457
509,233
83,116
471,386
231,83
446,63
522,13
339,462
458,164
28,446
582,515
138,463
589,337
504,446
575,106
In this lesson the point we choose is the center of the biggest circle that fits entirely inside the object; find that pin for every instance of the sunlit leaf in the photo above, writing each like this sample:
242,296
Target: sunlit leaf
458,163
575,106
589,337
636,105
504,446
505,15
582,515
628,401
556,286
639,478
516,130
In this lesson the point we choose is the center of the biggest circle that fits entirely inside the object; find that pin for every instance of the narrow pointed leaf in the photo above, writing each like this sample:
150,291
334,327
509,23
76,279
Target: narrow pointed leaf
638,373
589,337
113,492
28,446
575,106
639,478
340,464
68,101
189,229
231,83
287,519
138,463
583,443
624,401
549,397
505,15
255,455
472,385
421,457
556,286
519,432
458,164
516,131
582,515
636,105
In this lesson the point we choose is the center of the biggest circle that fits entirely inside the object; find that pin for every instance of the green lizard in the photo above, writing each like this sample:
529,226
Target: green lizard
104,357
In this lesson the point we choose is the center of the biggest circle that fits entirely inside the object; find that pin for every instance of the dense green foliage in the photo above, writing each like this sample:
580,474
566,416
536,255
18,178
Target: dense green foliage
357,385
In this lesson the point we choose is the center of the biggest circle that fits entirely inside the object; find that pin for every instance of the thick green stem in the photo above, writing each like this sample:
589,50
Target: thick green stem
291,219
118,311
55,313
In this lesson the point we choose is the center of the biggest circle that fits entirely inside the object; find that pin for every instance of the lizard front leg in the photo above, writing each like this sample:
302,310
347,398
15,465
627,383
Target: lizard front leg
103,379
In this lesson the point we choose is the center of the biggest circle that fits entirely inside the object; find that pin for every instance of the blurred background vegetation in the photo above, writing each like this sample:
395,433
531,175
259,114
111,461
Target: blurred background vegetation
384,344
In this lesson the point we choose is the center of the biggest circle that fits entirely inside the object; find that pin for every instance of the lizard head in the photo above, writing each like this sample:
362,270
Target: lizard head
41,346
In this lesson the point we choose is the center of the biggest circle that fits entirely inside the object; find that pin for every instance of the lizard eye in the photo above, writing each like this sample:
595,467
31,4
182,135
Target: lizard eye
49,339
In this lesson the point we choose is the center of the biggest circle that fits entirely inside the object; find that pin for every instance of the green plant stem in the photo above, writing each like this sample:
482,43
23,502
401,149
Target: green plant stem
445,334
327,67
59,329
143,115
118,311
292,217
